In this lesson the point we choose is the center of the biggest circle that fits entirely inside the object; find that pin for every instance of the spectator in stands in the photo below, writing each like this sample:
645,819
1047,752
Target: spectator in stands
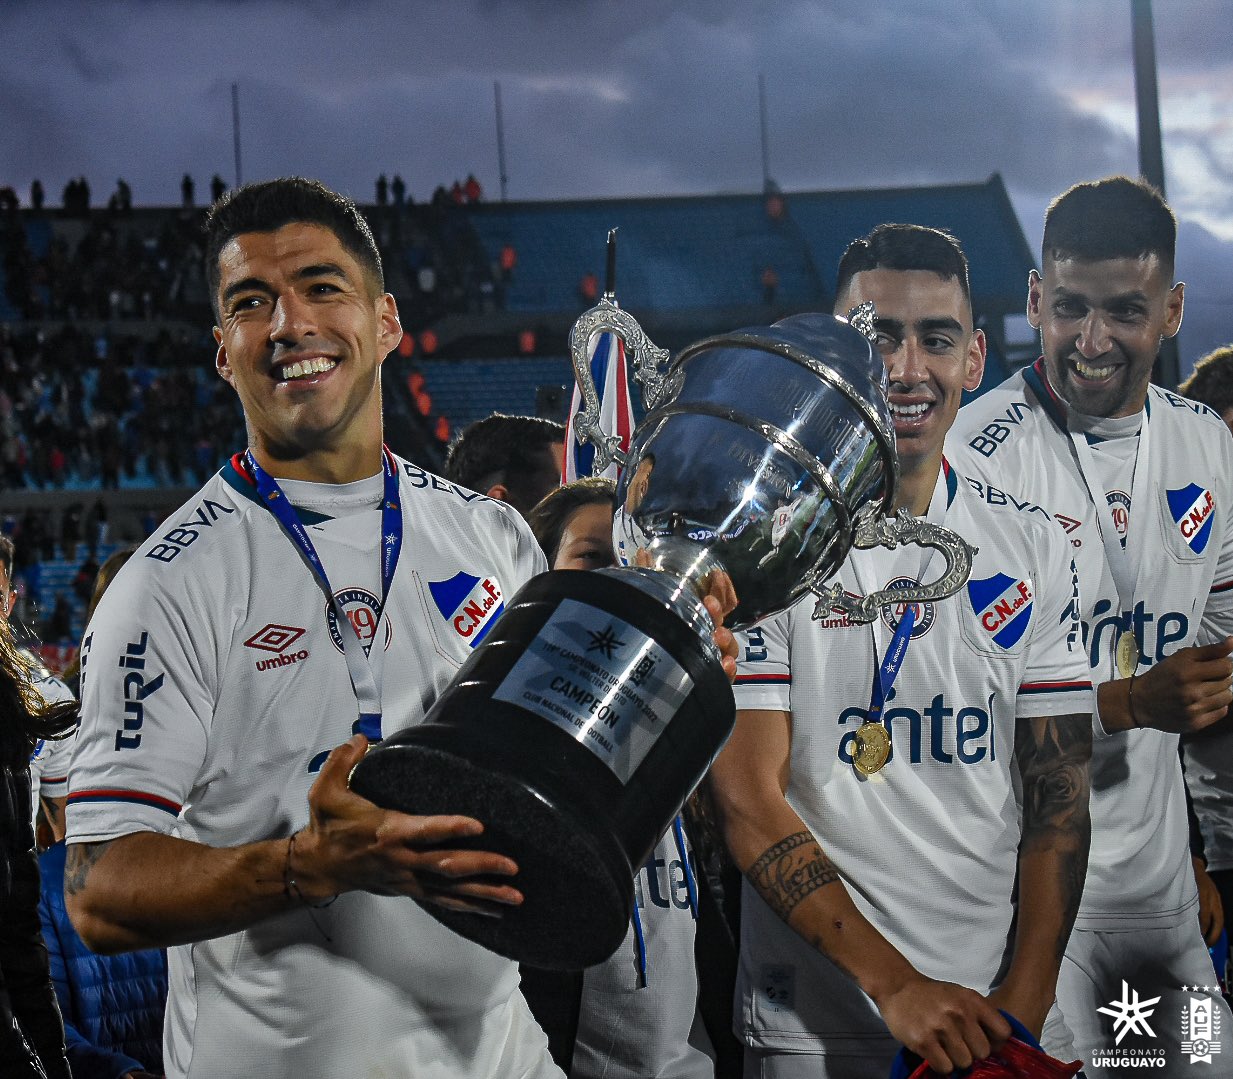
770,285
507,260
383,190
456,195
573,524
31,1033
37,195
588,289
471,189
1212,383
112,1004
218,187
186,192
1207,755
514,459
399,190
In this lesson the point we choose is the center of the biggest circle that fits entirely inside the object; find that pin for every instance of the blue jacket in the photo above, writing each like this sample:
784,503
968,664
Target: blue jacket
112,1004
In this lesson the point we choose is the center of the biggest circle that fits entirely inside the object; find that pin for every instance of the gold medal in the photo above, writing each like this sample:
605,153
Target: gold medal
1127,654
872,748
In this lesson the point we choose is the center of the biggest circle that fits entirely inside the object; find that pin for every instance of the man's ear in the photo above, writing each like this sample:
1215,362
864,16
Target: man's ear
389,328
221,364
1176,304
498,492
974,369
1035,298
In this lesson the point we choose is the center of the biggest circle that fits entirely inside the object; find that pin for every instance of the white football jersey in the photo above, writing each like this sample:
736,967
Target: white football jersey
630,1028
1139,872
214,685
50,758
928,846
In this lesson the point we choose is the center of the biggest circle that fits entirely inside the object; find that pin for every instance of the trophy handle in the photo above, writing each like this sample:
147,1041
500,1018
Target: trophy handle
874,530
649,361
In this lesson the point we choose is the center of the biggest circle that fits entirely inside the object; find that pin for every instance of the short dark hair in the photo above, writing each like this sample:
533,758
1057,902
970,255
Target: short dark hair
289,200
894,246
1114,218
503,449
549,518
7,554
1211,382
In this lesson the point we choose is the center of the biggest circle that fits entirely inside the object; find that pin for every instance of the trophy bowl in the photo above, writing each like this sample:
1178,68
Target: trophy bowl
578,728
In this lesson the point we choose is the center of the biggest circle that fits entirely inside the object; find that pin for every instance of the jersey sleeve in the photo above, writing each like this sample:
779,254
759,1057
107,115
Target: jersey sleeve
763,668
1056,679
148,665
49,767
1217,621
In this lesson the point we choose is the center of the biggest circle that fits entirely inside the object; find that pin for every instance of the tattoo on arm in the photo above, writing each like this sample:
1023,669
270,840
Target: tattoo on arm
789,871
1053,755
79,860
51,810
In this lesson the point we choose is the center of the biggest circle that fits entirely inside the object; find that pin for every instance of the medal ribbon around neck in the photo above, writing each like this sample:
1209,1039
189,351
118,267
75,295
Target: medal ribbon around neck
365,669
896,652
1123,562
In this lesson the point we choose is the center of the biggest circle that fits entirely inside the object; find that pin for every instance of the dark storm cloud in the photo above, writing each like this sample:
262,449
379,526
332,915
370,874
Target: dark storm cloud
644,97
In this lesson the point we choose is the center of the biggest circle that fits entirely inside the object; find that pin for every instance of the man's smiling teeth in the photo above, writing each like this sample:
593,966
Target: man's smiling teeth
303,368
909,411
1088,371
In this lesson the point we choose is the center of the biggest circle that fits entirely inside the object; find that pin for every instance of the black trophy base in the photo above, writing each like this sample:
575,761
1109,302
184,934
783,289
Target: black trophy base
577,889
576,826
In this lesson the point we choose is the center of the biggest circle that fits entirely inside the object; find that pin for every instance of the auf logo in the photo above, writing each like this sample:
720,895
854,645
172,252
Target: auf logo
1130,1013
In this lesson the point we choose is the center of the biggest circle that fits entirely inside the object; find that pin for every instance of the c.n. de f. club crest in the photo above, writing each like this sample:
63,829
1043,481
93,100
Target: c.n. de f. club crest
1003,607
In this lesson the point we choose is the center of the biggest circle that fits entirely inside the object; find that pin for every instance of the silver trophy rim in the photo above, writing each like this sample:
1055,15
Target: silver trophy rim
886,441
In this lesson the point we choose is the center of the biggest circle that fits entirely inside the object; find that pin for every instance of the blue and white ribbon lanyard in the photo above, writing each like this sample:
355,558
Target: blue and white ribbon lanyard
896,652
691,887
365,669
1123,559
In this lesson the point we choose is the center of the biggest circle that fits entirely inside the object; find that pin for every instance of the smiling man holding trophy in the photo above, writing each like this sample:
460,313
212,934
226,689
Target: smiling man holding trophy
869,790
597,701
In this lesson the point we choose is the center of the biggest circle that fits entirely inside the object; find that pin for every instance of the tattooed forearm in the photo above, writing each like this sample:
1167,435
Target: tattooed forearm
792,869
1053,755
79,860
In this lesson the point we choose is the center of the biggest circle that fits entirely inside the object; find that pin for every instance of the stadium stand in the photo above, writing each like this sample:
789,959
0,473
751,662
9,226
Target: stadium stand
106,361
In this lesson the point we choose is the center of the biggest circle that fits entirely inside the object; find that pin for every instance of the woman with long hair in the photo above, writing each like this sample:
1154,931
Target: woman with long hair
31,1033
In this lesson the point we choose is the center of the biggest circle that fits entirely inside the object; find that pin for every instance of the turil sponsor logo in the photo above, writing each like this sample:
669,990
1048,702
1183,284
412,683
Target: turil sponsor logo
138,685
279,639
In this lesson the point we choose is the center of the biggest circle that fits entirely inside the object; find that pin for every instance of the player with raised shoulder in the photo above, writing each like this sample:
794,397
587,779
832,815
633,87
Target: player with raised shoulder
1142,480
49,761
879,831
317,593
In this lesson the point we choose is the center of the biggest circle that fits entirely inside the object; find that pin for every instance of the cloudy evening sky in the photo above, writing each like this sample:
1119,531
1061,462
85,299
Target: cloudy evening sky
639,97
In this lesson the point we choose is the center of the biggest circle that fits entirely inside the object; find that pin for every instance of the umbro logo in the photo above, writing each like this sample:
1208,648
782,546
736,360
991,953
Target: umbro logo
273,637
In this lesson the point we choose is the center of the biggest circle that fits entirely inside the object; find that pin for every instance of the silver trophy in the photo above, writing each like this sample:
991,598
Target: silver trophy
598,700
767,453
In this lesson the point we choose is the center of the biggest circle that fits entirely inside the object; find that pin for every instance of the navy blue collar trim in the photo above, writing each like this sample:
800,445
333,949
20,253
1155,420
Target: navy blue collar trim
236,476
